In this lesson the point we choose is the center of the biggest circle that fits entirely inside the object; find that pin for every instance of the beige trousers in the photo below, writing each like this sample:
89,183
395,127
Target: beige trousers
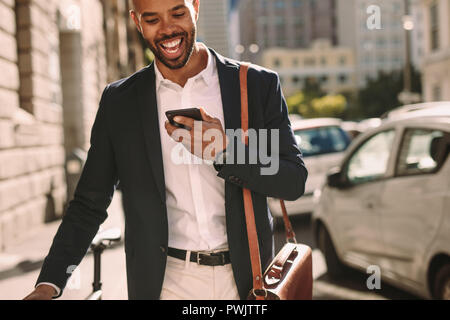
185,280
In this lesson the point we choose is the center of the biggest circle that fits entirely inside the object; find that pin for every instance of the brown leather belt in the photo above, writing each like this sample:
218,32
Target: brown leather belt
206,259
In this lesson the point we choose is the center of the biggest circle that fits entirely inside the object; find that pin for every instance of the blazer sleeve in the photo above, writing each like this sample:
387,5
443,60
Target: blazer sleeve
286,180
87,211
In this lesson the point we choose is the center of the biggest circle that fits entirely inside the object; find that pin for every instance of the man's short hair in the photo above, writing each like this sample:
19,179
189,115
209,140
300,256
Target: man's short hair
133,4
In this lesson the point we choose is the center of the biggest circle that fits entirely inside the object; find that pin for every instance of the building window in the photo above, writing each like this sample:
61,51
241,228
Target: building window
434,25
343,78
381,42
297,3
309,62
381,59
323,61
264,4
397,60
367,59
300,36
343,60
281,42
396,41
279,4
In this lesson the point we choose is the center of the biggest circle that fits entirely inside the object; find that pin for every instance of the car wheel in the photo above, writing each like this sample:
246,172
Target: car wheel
441,288
334,265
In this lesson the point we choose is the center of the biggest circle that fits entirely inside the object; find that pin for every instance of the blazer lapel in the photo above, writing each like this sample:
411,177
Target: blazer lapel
230,91
148,111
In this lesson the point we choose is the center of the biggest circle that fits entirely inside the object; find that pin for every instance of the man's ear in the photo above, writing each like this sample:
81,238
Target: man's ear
134,16
196,5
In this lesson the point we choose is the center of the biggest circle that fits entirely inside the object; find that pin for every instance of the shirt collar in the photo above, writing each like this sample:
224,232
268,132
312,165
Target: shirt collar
205,75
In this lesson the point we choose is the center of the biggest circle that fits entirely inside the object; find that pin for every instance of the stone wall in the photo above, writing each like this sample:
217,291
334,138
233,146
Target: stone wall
51,81
32,178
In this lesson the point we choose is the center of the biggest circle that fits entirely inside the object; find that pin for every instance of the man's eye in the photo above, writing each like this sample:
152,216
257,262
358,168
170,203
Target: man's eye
179,14
153,21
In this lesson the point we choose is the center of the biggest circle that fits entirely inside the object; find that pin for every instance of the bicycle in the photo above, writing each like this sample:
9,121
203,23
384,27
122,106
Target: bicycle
102,241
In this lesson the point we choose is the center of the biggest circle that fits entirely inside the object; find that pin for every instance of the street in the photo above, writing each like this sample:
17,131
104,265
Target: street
18,282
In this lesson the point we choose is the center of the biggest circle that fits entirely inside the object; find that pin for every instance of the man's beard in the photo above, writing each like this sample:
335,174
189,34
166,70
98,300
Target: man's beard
189,45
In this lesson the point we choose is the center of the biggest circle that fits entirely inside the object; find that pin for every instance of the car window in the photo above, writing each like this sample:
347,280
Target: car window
420,151
321,140
370,161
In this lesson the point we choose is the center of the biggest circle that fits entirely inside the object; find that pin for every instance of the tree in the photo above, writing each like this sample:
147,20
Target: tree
381,95
294,102
324,106
313,102
329,106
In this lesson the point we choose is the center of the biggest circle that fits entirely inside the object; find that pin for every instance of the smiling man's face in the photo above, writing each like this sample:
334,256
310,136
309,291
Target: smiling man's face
169,27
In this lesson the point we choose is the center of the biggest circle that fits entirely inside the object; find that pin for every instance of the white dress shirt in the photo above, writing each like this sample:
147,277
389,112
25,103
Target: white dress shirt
195,196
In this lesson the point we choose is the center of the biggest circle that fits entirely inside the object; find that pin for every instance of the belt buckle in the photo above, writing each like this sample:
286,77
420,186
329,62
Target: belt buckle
198,257
212,254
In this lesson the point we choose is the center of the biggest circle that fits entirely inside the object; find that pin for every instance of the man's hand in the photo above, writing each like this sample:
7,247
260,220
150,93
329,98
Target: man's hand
204,139
42,292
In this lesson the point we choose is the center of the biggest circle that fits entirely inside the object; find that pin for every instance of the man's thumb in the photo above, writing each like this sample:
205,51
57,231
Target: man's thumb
205,115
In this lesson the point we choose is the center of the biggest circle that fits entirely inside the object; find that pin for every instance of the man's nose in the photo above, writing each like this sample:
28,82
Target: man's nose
167,28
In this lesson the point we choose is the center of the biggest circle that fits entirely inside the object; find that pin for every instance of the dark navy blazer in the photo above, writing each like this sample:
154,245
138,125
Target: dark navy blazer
126,147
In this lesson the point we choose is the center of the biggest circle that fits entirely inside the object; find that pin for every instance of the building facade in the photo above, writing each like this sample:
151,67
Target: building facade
285,23
213,27
54,62
436,61
374,29
332,67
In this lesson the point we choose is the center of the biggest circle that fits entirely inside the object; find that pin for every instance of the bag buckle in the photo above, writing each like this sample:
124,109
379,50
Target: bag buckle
256,295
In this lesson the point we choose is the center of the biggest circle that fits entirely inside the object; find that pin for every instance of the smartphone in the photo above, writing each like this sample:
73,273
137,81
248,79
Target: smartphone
193,113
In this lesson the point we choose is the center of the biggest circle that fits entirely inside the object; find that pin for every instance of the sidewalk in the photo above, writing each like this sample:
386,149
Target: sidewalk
20,265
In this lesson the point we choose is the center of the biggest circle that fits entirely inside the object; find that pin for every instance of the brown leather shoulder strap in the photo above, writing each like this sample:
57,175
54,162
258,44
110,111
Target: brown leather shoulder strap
248,203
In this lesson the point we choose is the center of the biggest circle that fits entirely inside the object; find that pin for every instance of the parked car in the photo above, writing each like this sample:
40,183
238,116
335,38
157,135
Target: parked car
352,129
322,142
426,106
368,124
388,204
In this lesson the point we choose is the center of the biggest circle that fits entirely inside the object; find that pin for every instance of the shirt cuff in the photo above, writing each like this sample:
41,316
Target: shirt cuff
58,290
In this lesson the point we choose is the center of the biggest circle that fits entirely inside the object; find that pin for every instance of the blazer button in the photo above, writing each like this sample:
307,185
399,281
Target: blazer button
163,250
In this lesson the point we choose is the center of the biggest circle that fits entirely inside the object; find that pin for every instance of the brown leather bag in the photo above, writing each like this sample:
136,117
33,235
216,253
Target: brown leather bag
289,275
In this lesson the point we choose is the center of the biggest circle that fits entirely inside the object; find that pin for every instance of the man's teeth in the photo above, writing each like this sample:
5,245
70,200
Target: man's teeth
172,44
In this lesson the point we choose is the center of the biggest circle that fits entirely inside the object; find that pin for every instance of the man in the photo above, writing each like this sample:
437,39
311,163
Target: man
185,232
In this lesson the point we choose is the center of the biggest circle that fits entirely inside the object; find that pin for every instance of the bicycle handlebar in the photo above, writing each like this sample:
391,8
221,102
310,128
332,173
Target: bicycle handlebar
111,235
